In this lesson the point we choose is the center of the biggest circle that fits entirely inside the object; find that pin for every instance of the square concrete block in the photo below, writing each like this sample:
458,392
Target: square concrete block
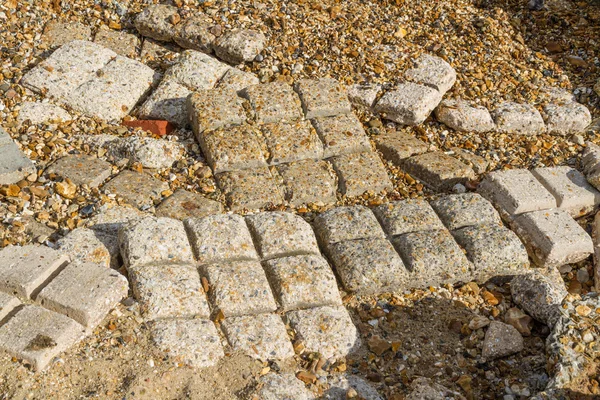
569,187
567,119
323,97
85,292
521,119
110,218
194,33
155,22
87,245
215,108
493,250
222,237
57,33
239,288
197,71
516,191
273,102
263,337
302,282
553,238
368,266
328,331
183,204
279,234
308,181
341,134
409,103
278,386
136,188
7,304
238,80
25,269
121,42
347,223
467,209
438,170
37,335
433,72
233,148
363,95
168,102
433,258
406,216
463,117
194,342
291,141
238,45
169,291
14,165
81,169
152,240
361,172
478,163
396,146
250,189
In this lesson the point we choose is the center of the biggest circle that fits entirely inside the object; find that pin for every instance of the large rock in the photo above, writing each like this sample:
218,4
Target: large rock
540,294
156,22
239,45
501,340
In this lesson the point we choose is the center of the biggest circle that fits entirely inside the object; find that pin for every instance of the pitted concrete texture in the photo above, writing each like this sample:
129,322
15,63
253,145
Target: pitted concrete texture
408,104
323,98
7,304
462,210
567,119
14,165
36,113
407,216
433,72
461,116
87,245
438,170
81,169
522,119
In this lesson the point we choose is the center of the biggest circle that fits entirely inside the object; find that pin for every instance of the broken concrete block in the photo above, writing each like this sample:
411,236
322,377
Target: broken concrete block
81,169
14,165
567,119
540,294
461,116
408,104
433,72
438,170
239,45
155,21
35,113
136,188
522,119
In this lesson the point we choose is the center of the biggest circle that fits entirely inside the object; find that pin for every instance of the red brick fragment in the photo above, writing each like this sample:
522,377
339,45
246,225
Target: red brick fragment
157,127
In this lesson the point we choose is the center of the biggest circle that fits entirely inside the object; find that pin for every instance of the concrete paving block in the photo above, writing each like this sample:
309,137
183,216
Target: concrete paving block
308,181
168,102
37,335
194,33
396,146
516,191
263,337
323,97
553,238
463,117
194,342
279,234
14,165
341,134
368,266
196,70
169,291
152,240
566,119
35,113
121,42
522,119
570,188
183,204
406,216
273,102
361,172
302,282
250,189
438,170
282,386
493,250
363,95
239,45
85,292
591,163
155,22
478,163
81,169
294,141
239,288
24,269
233,148
136,188
459,210
347,223
110,218
87,245
7,304
149,152
408,104
57,33
340,385
551,94
238,80
223,237
433,72
328,331
433,258
213,109
540,294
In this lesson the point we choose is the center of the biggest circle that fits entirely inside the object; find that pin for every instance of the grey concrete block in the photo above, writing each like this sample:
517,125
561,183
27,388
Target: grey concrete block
14,165
273,102
237,80
7,304
438,170
478,163
90,246
323,97
213,109
35,113
239,45
361,172
347,223
288,142
81,169
168,102
196,70
250,189
183,204
433,72
566,119
308,181
136,188
522,119
110,218
155,22
408,104
279,386
363,95
460,210
397,146
461,116
406,216
341,134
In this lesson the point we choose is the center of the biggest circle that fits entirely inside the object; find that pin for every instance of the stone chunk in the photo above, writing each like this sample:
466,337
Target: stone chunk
368,266
279,234
85,292
239,45
408,104
284,386
438,170
194,33
239,288
273,102
155,22
540,294
194,342
308,181
340,386
14,165
36,113
238,80
516,191
570,189
89,246
153,240
323,97
219,238
139,189
168,102
424,388
57,33
7,304
363,95
406,216
293,141
37,335
328,331
263,337
24,269
183,204
397,146
522,119
212,109
196,70
461,116
169,291
347,223
122,43
433,72
433,258
110,218
302,282
234,148
553,238
501,340
478,163
81,169
567,119
342,134
250,189
591,164
459,210
150,152
361,172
